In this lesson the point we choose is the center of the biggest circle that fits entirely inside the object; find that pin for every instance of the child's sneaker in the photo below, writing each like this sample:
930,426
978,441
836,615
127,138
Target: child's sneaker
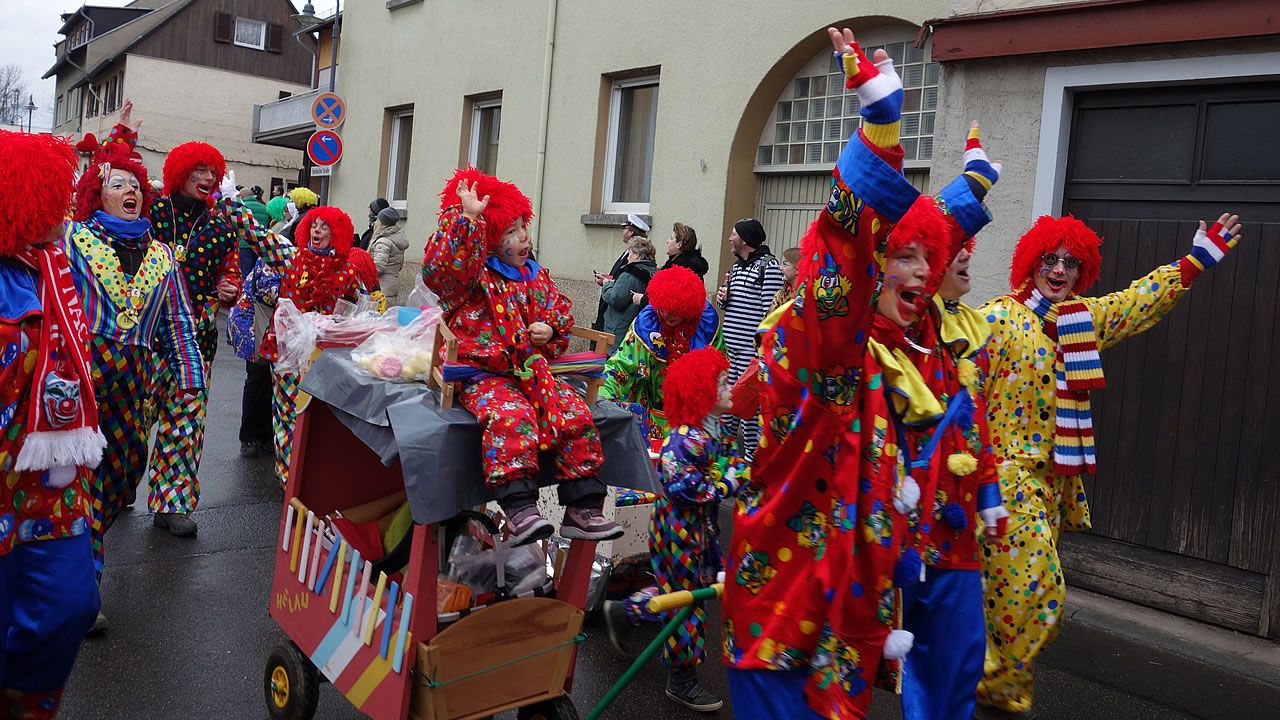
526,525
620,627
588,524
684,688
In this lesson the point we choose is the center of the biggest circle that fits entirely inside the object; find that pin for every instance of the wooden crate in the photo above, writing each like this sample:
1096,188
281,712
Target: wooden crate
472,654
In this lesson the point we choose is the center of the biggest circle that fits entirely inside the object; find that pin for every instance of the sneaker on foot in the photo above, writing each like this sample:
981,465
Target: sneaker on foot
179,524
99,624
250,449
588,524
692,695
526,525
620,627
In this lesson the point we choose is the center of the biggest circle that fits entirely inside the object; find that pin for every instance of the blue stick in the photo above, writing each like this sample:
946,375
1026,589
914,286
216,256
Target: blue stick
391,617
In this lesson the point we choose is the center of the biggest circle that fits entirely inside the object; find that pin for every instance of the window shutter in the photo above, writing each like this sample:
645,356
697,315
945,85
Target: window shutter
275,38
222,23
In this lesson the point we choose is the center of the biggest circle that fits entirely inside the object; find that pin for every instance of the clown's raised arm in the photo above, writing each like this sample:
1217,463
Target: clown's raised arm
453,262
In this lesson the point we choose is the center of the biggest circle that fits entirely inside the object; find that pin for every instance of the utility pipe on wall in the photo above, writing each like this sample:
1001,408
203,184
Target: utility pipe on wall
544,119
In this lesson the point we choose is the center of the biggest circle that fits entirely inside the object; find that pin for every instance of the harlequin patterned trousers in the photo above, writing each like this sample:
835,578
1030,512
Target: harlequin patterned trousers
675,566
284,413
1024,592
121,377
175,459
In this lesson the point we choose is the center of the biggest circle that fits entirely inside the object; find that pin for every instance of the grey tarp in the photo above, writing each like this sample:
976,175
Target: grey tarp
439,449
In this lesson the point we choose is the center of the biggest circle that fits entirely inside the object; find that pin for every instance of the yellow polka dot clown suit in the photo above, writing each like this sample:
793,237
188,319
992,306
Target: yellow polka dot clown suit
1044,359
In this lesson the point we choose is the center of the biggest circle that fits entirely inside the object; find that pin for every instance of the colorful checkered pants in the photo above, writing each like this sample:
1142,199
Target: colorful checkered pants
510,432
175,459
284,413
676,567
121,375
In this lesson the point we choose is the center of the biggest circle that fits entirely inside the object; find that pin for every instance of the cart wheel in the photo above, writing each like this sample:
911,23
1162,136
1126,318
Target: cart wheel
291,684
559,709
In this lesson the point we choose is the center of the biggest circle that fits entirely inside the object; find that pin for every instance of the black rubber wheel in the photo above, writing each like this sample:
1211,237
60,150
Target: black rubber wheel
559,709
291,684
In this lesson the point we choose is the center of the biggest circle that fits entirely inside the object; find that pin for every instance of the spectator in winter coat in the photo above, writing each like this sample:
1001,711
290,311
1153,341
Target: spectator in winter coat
623,294
387,247
375,207
634,227
682,250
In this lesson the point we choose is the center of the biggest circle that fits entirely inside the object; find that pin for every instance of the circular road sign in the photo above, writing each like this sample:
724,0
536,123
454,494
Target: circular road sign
324,147
328,110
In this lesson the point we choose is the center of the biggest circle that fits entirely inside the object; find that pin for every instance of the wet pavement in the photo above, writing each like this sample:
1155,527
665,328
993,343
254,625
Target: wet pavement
190,633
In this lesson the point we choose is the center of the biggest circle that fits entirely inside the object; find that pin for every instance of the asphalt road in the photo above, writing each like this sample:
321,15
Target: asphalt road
190,633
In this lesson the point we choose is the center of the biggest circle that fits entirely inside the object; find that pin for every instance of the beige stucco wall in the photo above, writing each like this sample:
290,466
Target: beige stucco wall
433,54
1006,96
178,102
969,7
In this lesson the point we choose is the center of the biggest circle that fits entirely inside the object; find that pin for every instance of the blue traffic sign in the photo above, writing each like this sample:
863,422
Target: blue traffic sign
328,110
324,147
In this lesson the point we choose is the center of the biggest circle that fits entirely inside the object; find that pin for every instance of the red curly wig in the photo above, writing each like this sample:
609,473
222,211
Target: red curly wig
923,223
89,188
184,158
506,202
37,172
341,231
1046,236
366,269
678,291
692,385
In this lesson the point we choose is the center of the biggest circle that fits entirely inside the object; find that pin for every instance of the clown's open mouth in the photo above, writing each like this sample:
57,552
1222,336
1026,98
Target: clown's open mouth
130,205
205,189
1055,284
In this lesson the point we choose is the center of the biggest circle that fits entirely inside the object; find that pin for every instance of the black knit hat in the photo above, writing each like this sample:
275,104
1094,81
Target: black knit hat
751,232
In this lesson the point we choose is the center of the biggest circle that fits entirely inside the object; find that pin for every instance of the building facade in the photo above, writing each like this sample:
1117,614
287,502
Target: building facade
193,68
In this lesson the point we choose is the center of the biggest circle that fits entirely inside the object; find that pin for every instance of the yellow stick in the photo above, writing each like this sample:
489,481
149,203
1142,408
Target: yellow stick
373,612
337,576
301,517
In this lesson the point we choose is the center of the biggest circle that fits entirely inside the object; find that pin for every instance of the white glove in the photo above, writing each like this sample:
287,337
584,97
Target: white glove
228,187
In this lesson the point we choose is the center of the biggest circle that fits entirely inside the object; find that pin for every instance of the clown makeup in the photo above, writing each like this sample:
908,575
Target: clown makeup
670,319
321,236
513,249
902,296
200,183
788,271
122,195
1056,282
724,396
956,283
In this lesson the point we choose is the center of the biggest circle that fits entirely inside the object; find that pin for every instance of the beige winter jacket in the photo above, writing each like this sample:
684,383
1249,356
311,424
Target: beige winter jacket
387,248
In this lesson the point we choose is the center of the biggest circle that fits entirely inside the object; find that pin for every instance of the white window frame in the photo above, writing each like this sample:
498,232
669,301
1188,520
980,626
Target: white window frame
58,111
477,107
235,35
607,204
393,152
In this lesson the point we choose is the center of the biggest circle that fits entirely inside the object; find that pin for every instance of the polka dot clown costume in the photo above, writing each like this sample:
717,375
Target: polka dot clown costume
510,320
677,319
133,295
831,531
1043,360
49,435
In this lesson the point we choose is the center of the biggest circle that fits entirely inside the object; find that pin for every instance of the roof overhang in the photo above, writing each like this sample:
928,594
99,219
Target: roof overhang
1098,24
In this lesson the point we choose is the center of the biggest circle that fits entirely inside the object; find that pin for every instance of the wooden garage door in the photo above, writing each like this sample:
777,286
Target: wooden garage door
1187,493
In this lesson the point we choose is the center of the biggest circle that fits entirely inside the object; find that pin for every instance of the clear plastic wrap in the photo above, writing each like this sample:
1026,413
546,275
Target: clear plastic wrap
403,354
300,334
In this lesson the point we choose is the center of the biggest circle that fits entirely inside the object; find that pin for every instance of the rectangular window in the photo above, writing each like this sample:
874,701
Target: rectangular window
91,101
398,159
633,120
57,111
250,33
486,124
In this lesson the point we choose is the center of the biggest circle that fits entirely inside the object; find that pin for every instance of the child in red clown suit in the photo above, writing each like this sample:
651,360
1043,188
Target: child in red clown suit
699,466
510,321
49,436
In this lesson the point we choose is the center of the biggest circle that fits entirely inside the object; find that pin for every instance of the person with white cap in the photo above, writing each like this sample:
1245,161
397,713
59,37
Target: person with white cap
634,227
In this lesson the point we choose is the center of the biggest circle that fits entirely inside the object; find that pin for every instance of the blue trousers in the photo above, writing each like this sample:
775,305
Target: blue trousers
769,695
48,601
940,675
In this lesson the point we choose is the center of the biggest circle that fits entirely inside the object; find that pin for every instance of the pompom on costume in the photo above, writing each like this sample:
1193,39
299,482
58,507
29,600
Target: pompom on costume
830,532
48,433
133,295
509,387
636,371
1035,416
314,280
698,467
204,235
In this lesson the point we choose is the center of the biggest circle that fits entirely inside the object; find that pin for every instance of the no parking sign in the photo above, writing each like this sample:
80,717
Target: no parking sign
328,110
324,147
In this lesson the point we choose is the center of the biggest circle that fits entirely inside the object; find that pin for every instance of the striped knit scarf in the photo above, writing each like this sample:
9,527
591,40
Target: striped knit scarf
1077,369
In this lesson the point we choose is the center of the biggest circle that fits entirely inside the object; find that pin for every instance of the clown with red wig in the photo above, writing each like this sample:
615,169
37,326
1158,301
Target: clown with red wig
830,534
699,466
49,434
511,321
1041,422
136,304
677,319
204,232
319,274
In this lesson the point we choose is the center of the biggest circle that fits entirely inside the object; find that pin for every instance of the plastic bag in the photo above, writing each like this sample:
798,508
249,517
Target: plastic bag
403,354
420,296
295,338
478,569
300,334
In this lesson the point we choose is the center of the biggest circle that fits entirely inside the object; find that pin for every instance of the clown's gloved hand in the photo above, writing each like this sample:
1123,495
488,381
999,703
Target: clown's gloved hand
228,186
1210,246
878,87
979,172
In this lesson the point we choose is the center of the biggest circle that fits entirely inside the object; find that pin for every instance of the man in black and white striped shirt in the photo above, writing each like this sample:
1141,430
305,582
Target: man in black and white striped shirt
749,288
